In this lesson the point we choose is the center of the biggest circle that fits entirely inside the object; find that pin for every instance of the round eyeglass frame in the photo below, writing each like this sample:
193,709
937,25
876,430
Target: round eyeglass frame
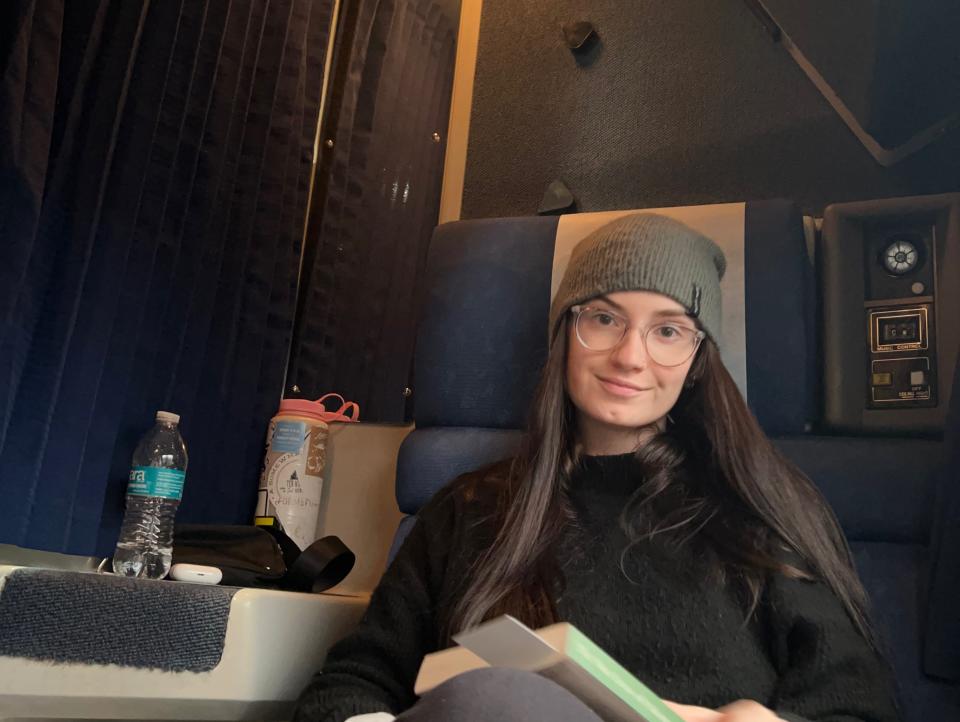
579,310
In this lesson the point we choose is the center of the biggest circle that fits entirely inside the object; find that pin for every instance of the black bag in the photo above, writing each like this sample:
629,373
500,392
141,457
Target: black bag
258,556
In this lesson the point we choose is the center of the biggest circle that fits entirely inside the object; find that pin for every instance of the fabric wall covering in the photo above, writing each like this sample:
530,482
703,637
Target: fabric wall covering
155,160
690,102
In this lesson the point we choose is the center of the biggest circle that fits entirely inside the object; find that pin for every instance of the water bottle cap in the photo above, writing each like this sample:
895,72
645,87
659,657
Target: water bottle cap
168,416
348,411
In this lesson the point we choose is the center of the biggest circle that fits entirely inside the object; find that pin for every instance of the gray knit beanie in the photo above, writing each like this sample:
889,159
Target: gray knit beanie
645,252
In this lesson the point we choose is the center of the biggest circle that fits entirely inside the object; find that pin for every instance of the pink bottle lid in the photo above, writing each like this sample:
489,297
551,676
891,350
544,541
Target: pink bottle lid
318,410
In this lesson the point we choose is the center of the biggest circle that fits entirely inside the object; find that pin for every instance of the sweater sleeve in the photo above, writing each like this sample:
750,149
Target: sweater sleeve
375,667
827,671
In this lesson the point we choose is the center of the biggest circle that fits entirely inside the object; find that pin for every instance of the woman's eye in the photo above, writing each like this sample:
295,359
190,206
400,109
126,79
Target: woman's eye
669,333
604,319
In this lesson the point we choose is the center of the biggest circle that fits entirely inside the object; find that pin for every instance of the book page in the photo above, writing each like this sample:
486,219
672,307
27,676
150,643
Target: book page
506,642
438,667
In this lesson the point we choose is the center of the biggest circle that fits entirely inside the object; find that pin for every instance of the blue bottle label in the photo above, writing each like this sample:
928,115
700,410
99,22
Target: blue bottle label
288,437
156,481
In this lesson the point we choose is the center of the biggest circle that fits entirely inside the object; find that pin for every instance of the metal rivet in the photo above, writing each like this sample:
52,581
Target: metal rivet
918,288
339,248
329,142
295,389
436,137
407,392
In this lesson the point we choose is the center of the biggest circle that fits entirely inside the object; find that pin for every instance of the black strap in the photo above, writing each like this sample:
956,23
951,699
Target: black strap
322,565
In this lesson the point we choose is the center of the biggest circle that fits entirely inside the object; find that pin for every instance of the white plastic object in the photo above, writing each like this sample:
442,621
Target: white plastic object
196,573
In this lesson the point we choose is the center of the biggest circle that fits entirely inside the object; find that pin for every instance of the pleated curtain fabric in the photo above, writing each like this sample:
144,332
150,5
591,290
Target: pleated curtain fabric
379,184
155,160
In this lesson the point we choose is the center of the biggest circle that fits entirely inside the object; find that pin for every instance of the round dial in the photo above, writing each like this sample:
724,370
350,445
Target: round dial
900,257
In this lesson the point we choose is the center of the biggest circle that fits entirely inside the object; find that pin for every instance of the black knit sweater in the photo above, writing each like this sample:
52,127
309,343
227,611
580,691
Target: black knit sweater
654,610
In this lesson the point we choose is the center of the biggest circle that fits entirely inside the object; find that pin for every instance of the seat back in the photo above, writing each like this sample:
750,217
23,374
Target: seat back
942,649
884,492
482,338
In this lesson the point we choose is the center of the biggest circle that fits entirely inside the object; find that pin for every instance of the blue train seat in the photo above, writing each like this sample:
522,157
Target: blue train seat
483,338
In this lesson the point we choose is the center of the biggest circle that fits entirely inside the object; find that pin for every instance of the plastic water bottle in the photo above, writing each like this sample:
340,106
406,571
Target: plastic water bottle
159,467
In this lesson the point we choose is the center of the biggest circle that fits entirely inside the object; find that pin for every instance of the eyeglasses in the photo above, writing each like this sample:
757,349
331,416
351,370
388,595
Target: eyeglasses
667,344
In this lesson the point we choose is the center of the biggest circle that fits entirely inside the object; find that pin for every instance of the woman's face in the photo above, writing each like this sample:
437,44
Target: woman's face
621,395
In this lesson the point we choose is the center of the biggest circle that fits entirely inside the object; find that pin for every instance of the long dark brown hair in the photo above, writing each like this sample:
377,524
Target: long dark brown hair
711,477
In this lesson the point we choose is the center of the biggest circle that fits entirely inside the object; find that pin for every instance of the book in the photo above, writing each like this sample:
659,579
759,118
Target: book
559,652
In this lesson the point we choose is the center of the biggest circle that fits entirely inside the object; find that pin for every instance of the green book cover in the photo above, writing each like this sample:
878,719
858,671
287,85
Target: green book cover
618,680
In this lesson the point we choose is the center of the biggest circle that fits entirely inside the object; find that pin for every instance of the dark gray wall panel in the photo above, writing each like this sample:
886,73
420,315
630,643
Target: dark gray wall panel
687,102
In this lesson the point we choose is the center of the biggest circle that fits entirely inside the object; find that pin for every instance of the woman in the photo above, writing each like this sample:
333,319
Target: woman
647,508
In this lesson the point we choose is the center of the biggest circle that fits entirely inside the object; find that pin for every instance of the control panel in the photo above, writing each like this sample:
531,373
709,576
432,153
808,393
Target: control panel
901,373
890,304
899,263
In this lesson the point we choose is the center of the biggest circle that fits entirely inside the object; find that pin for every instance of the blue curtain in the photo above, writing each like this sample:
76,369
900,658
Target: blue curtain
155,160
377,203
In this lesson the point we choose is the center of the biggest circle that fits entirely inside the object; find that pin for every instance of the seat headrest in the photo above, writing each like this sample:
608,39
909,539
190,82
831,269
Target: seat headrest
483,334
429,458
